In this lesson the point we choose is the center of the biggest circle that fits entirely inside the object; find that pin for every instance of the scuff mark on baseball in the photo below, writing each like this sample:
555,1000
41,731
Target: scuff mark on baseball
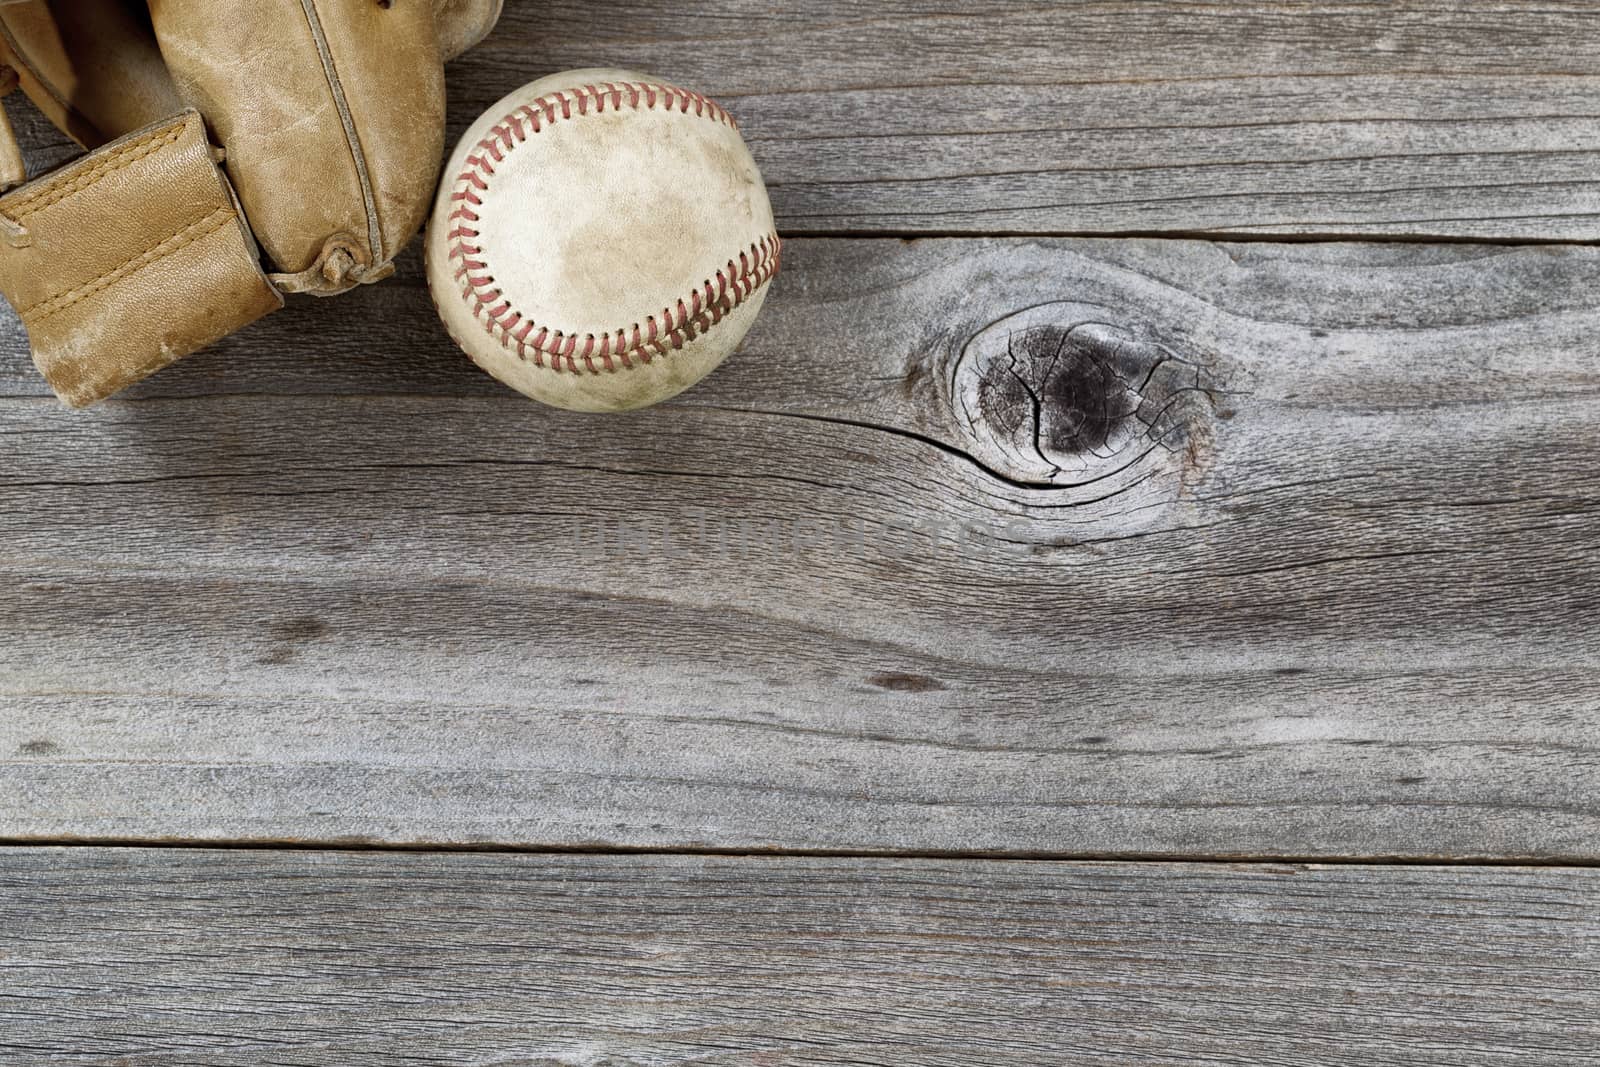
602,240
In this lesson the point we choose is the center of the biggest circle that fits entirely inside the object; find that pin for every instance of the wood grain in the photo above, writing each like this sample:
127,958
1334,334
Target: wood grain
1004,546
984,547
176,957
1414,117
1312,117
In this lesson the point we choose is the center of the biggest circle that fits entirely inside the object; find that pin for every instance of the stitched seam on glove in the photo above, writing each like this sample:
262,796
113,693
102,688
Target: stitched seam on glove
70,183
183,238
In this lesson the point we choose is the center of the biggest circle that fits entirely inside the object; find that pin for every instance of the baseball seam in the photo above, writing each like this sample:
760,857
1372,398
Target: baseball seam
629,346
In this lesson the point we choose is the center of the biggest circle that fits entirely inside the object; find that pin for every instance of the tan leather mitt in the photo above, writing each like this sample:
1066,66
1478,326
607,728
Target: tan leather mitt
237,152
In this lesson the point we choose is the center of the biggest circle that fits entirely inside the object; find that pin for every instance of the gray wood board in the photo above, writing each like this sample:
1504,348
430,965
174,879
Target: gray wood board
1430,117
180,957
1263,551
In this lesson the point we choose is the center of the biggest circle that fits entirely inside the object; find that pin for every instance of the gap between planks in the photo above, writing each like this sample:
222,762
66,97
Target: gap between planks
1215,236
493,848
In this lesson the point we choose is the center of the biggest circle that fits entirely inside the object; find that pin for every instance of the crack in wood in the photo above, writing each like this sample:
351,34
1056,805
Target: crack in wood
1061,395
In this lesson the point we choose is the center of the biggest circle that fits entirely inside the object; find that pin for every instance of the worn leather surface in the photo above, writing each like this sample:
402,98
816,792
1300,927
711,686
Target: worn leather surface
128,259
91,66
95,70
331,111
330,116
333,133
463,23
13,168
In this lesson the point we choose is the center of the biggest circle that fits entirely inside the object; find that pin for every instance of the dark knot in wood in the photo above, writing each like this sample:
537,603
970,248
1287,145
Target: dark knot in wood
1058,395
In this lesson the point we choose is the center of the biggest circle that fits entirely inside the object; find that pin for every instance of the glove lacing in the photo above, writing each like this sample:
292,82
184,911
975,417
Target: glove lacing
341,266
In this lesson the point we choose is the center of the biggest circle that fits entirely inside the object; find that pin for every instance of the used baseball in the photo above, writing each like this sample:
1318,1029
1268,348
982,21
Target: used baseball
602,240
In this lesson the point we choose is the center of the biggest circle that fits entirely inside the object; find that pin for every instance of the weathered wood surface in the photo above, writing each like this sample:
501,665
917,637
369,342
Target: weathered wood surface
1301,563
177,957
1021,547
1412,117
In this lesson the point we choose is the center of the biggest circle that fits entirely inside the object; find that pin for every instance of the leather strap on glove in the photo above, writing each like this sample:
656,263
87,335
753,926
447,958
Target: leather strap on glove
329,115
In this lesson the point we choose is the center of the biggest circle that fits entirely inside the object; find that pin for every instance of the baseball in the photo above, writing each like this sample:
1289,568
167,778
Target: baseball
602,240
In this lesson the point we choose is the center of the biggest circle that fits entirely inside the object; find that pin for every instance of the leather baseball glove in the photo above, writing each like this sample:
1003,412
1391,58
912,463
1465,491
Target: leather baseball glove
237,152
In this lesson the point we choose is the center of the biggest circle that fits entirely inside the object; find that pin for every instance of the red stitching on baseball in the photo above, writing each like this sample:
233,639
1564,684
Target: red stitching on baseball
705,306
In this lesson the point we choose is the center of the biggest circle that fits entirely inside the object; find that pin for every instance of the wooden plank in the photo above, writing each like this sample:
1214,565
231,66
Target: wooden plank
1414,117
1267,551
1196,117
1318,117
174,957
